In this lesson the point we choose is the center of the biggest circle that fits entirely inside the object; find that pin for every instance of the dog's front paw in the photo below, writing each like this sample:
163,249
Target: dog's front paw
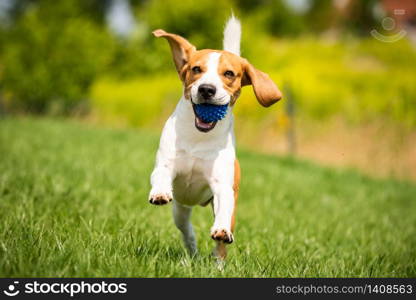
160,198
223,235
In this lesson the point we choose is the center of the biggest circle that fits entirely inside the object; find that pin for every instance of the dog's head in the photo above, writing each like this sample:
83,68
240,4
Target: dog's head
216,76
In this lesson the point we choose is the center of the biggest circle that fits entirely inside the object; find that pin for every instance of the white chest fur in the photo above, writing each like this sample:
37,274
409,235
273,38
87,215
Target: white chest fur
195,160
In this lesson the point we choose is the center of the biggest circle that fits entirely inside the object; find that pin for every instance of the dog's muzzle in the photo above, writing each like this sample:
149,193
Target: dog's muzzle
200,124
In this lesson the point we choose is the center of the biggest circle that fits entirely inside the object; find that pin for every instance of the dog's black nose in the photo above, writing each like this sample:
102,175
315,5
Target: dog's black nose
207,91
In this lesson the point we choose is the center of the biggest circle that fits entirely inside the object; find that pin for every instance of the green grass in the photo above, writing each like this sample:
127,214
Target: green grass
73,202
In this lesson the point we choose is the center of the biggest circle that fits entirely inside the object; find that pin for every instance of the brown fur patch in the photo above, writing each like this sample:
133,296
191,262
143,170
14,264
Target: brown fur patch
231,62
197,59
236,187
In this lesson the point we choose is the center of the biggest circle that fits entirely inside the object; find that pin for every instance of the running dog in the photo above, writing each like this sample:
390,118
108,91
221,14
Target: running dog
196,162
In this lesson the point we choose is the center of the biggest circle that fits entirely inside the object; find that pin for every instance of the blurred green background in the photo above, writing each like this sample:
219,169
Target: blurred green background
350,98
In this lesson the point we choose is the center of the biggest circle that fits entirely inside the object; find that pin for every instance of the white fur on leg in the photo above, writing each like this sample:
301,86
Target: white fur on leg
182,216
161,181
223,205
232,35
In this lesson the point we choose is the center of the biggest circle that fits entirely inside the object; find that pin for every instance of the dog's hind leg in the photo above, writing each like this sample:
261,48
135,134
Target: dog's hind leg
182,218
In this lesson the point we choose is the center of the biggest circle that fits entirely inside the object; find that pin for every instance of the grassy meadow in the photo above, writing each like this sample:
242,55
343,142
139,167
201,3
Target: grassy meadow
73,202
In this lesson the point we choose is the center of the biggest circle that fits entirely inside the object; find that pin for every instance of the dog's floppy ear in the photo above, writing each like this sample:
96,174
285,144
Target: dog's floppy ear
181,48
264,88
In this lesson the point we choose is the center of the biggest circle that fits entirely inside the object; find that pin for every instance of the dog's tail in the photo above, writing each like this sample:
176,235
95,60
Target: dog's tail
232,35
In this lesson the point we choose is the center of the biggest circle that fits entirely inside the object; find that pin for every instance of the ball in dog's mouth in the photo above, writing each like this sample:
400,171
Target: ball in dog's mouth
207,115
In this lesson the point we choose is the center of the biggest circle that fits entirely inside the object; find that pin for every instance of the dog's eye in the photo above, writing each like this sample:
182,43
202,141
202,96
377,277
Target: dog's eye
196,70
229,74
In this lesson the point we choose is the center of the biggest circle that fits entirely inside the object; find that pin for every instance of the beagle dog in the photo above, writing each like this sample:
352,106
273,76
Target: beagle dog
196,162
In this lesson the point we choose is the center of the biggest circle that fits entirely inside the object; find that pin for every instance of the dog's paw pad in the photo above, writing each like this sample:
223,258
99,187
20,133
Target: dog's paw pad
160,199
222,235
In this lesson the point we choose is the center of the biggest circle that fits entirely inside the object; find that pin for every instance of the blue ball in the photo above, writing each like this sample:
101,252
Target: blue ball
210,113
